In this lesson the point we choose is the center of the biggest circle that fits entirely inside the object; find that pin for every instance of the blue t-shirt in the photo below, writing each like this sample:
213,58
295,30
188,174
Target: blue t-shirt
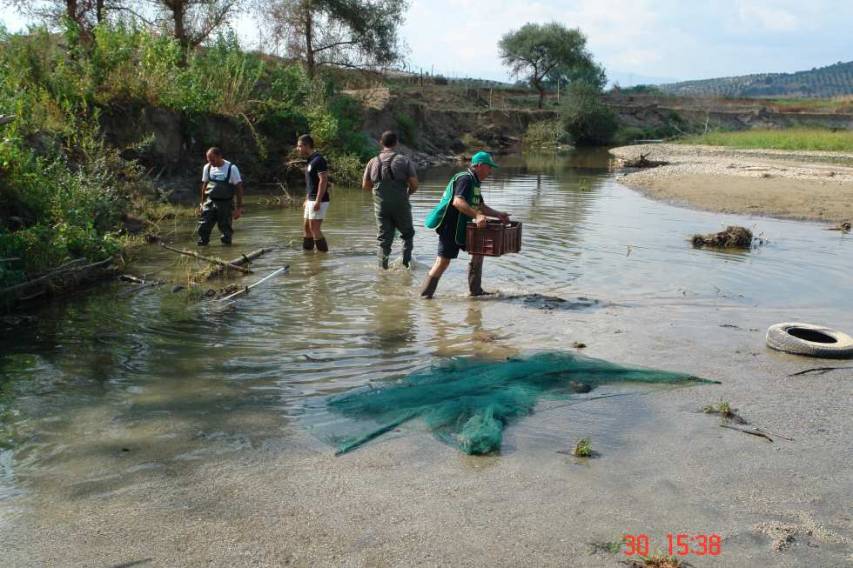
316,165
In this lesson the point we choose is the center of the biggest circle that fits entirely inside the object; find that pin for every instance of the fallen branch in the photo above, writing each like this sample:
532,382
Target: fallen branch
33,286
819,371
131,278
250,286
242,260
752,432
206,258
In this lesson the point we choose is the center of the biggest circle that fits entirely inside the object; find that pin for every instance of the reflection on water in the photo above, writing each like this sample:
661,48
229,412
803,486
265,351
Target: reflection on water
138,384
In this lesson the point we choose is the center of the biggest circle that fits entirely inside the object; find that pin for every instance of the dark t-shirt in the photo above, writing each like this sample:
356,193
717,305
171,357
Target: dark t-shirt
464,188
316,164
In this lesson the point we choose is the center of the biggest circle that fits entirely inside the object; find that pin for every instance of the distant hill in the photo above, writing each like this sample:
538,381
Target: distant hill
831,81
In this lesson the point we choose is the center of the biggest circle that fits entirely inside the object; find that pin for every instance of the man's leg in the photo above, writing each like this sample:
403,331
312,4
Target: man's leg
434,275
307,237
224,212
317,233
385,233
475,275
206,223
407,231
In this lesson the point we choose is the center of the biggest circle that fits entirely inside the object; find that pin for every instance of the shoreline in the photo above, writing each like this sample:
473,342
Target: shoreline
796,185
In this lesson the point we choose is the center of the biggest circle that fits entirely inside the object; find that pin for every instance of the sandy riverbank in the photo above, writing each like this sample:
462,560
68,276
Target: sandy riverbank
409,500
815,186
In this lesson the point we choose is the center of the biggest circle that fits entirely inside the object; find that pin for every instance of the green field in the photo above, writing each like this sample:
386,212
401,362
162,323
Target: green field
788,139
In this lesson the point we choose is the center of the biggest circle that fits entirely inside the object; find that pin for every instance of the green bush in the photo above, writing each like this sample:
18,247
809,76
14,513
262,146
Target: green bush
586,118
545,134
63,192
408,129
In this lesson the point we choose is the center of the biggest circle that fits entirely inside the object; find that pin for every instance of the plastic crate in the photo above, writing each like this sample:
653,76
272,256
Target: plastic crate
495,239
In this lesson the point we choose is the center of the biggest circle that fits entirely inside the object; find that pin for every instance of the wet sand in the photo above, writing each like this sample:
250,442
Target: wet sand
814,186
409,500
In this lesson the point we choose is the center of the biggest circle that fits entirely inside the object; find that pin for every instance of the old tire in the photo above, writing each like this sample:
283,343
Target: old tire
810,340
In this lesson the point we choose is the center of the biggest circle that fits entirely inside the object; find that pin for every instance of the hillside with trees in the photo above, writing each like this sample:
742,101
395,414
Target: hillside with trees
831,81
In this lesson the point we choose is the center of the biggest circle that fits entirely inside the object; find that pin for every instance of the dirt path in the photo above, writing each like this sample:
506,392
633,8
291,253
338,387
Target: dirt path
815,186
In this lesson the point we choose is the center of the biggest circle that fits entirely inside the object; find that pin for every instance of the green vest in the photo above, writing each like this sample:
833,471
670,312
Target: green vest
435,219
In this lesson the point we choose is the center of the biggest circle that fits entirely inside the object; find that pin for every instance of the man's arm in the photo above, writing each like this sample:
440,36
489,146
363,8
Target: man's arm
413,178
203,187
466,209
321,189
366,182
238,211
504,217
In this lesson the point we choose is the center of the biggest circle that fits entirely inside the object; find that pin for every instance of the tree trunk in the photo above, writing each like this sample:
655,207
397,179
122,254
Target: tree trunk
309,40
178,17
71,10
99,11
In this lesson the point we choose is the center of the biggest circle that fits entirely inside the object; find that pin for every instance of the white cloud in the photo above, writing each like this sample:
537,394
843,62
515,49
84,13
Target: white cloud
774,19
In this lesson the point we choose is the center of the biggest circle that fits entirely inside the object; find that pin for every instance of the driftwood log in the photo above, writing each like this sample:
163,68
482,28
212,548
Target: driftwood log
642,162
732,237
70,274
222,263
241,261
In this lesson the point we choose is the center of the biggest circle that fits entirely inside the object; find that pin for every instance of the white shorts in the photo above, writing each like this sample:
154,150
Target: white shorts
316,215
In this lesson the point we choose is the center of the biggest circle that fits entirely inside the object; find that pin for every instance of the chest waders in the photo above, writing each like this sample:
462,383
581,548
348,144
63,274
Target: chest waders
217,210
393,212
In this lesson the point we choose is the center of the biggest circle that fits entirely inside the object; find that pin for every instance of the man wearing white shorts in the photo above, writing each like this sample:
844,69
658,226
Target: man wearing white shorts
317,194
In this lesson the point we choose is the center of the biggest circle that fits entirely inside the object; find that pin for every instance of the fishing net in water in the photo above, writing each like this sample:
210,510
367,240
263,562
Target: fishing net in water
469,402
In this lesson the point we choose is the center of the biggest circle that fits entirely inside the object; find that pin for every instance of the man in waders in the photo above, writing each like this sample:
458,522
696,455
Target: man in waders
220,183
461,202
317,194
393,178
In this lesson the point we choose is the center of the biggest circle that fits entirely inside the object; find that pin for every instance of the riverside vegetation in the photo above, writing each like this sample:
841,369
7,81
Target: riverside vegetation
64,189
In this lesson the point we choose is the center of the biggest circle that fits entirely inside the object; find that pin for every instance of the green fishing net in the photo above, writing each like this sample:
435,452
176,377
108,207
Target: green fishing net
468,402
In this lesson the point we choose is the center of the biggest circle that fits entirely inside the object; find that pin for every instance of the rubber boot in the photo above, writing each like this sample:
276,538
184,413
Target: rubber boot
430,284
475,276
383,262
307,243
407,253
322,245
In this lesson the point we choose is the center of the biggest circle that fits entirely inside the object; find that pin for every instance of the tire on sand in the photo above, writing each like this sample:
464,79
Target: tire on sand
810,340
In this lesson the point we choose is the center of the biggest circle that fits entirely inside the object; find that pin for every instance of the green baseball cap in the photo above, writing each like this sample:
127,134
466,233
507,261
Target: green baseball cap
483,158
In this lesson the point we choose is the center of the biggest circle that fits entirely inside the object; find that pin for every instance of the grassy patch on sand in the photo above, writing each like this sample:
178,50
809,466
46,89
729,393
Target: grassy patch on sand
787,139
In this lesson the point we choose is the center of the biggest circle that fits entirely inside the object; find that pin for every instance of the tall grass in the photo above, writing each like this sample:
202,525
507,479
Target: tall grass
787,139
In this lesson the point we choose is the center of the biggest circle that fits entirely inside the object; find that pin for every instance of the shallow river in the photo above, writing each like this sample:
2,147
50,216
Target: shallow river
148,372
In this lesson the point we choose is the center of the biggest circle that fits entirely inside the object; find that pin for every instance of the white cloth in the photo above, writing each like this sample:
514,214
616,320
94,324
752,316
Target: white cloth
217,173
316,215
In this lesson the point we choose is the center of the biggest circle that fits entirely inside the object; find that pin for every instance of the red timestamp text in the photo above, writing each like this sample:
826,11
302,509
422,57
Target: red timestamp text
677,544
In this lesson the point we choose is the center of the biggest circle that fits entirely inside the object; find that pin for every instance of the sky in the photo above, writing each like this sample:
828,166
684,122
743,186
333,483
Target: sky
637,41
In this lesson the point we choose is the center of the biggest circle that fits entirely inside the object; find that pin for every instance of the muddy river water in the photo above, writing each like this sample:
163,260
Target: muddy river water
105,392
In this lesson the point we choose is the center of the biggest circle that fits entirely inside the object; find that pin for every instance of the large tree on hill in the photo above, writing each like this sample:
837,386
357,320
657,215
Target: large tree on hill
346,33
85,13
193,21
539,51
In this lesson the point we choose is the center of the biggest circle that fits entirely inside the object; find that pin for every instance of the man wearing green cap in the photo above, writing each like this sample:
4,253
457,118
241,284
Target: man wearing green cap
461,202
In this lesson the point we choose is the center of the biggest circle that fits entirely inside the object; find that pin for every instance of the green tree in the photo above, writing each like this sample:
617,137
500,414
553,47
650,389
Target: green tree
537,52
345,33
585,116
193,21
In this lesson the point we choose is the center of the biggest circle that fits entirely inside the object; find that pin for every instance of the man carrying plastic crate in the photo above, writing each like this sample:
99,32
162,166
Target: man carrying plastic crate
461,202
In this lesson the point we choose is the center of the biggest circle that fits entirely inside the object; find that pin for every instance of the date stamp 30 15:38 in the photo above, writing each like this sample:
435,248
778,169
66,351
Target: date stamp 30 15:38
677,544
